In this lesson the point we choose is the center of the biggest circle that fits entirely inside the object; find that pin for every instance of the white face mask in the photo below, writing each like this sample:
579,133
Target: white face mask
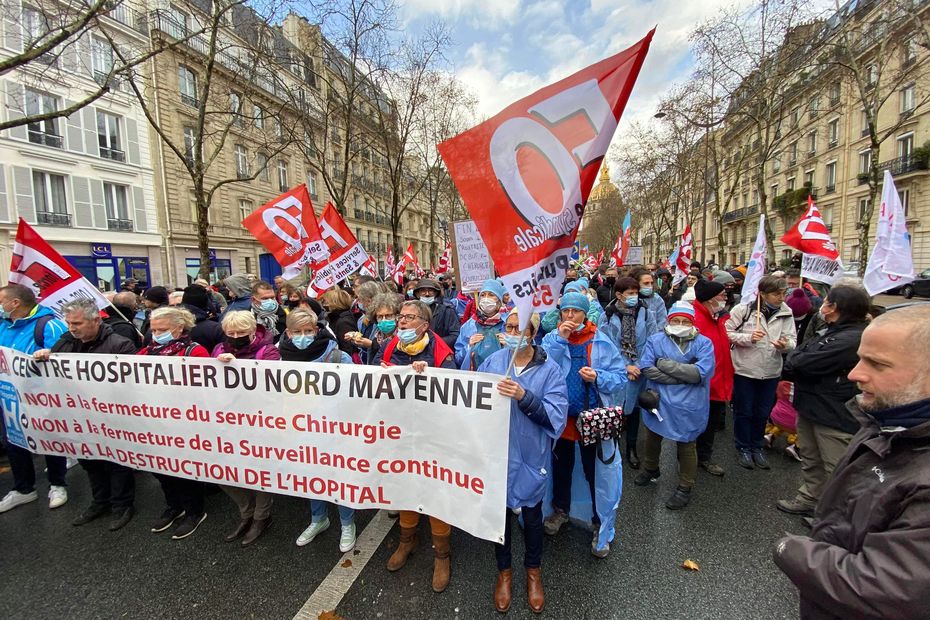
678,331
488,306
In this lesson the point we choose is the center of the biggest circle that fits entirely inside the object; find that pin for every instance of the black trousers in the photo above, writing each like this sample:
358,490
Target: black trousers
705,441
563,463
182,494
631,429
532,538
111,484
24,471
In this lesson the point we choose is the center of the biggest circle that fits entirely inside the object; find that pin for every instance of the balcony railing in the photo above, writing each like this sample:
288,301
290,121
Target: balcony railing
119,224
51,218
191,101
42,137
902,165
739,214
112,154
129,17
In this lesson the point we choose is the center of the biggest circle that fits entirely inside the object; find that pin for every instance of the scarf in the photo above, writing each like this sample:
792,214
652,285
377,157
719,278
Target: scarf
903,416
414,348
268,320
290,353
487,321
176,347
586,333
628,332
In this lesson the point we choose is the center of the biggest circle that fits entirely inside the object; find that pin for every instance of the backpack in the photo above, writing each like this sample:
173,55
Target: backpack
39,333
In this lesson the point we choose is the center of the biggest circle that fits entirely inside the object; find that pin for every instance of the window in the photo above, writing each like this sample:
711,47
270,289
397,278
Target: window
904,195
865,123
795,116
834,93
279,129
245,208
242,162
863,209
42,132
179,21
51,200
35,28
258,115
826,213
833,132
776,163
790,184
108,137
907,99
190,140
101,59
865,161
311,184
811,143
261,161
909,52
831,177
905,145
235,108
813,107
187,85
809,178
755,201
282,175
774,190
871,75
117,207
793,153
192,201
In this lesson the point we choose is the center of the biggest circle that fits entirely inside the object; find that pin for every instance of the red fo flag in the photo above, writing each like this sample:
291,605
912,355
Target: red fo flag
810,235
53,279
389,263
683,254
345,254
616,254
369,268
445,260
525,174
408,258
287,227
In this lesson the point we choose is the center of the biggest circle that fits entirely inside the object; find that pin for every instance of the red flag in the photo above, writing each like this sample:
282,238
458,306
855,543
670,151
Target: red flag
369,267
345,253
408,257
53,279
810,235
591,263
600,256
616,254
389,263
287,227
683,255
525,174
445,260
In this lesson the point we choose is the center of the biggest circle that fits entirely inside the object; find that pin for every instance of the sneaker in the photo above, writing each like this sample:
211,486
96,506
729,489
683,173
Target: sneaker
711,468
768,439
70,462
347,538
188,526
94,511
167,519
795,506
599,553
554,522
758,458
808,522
312,531
792,451
14,498
679,499
121,517
744,458
646,477
57,497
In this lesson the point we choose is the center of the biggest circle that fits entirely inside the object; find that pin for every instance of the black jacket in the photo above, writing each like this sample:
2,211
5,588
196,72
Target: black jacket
107,341
605,294
341,322
122,326
206,332
445,322
819,367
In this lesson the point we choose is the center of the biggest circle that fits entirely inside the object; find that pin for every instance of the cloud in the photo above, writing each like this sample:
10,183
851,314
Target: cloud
490,14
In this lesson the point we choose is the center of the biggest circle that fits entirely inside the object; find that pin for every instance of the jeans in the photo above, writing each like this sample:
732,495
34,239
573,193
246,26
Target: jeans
705,441
753,400
182,494
24,471
532,538
319,508
111,484
563,464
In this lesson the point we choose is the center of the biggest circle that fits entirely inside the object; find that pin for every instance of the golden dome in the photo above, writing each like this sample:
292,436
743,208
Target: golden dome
604,189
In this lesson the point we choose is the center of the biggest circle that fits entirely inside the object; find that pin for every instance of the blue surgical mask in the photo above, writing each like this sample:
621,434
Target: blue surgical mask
407,336
630,302
580,327
268,305
428,300
303,341
771,306
646,291
387,325
162,338
4,314
516,342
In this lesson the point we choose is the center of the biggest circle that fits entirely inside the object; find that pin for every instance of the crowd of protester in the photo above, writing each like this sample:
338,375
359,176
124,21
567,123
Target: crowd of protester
679,356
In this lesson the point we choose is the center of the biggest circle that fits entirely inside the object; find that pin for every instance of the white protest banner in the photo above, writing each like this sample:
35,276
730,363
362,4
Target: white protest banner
361,436
346,254
634,255
821,268
472,261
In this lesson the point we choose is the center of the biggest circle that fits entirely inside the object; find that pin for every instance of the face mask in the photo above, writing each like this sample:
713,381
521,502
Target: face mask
162,338
360,305
407,336
387,325
268,305
772,307
646,291
488,306
428,300
4,314
580,327
790,290
718,307
630,302
237,343
410,294
291,303
514,342
610,282
303,341
678,331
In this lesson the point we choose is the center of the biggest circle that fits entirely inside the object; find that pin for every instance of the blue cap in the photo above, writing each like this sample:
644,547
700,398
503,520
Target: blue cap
585,282
681,308
576,287
495,287
578,301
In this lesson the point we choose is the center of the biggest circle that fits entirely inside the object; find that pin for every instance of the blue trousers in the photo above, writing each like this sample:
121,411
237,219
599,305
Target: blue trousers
532,538
753,400
319,508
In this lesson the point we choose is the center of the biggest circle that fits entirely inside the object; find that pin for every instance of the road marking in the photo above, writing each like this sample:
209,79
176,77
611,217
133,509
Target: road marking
329,593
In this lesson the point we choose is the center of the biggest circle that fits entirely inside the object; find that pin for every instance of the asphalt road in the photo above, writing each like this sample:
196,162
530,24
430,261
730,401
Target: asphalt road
51,569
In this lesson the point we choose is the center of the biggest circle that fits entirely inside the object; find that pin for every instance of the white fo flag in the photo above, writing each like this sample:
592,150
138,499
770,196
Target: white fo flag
890,263
756,267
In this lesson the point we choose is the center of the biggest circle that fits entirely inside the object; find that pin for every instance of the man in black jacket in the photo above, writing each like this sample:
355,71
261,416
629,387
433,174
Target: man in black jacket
119,317
445,321
206,332
112,485
866,556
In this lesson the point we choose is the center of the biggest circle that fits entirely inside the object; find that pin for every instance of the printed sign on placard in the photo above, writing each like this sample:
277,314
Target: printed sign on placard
472,262
635,255
820,268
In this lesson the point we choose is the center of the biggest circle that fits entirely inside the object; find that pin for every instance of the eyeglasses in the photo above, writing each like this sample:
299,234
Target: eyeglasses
409,317
384,317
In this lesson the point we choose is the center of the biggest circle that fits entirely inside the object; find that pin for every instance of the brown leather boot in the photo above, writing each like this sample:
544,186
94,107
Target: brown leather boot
503,591
442,562
534,590
408,542
258,528
239,532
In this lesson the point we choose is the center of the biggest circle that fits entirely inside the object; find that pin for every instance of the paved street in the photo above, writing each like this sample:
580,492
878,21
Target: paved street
54,570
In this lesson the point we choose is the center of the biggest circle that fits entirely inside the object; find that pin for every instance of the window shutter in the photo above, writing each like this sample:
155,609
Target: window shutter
138,205
89,115
132,141
97,205
83,216
75,133
25,205
4,206
15,107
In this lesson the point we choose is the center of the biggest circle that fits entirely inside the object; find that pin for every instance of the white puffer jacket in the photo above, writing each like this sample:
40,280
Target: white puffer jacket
760,360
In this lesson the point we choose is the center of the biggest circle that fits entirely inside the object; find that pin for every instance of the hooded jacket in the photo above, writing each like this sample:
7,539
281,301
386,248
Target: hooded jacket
107,341
20,334
760,360
866,556
715,329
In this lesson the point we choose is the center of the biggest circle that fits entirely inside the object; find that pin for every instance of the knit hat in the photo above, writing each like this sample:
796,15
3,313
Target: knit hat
578,301
705,290
799,303
495,287
723,278
681,308
586,283
196,296
742,270
578,286
736,274
157,295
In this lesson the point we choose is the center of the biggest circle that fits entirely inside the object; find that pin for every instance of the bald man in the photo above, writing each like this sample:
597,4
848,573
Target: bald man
866,556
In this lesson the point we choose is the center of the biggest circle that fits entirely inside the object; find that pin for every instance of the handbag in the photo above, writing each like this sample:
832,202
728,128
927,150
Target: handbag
600,423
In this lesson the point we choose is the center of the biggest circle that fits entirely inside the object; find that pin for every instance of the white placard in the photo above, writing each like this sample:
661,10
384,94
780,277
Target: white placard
634,256
472,262
820,268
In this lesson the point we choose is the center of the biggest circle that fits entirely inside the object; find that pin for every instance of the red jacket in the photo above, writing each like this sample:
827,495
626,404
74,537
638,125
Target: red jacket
721,385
